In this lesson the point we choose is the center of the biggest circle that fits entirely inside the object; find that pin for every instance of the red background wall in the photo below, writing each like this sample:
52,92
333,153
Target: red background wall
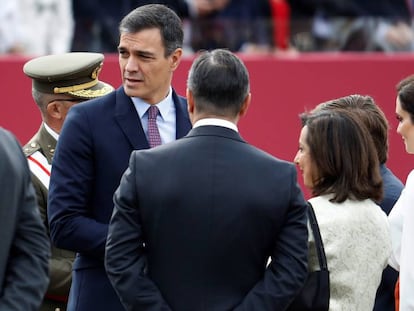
282,87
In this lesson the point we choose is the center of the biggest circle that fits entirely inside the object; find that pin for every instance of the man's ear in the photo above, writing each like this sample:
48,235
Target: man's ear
54,110
190,105
246,104
190,101
176,58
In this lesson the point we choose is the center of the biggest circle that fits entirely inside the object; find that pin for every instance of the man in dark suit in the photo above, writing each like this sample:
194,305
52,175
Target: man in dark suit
196,221
25,247
95,145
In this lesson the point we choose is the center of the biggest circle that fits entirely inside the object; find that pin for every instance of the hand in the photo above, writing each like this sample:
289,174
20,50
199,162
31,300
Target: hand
205,7
16,49
400,35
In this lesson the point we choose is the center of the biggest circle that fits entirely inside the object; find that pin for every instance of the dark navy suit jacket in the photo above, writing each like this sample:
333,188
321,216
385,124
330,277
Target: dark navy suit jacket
385,300
92,153
195,222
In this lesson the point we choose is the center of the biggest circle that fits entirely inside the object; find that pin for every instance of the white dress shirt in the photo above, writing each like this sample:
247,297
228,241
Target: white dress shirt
166,120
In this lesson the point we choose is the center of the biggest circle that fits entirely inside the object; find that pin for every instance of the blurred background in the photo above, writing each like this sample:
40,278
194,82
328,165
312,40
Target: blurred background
298,52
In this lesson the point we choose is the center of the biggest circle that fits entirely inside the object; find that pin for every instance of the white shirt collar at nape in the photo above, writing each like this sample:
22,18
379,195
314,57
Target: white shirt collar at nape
216,122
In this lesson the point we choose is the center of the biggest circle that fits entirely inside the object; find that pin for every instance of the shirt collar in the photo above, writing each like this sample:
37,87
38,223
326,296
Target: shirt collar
216,122
164,105
51,132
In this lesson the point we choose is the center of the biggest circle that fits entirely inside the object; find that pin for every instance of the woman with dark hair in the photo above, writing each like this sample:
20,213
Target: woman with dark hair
338,160
365,108
401,217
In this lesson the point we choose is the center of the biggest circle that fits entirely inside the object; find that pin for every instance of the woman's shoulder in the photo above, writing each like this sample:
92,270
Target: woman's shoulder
410,180
357,209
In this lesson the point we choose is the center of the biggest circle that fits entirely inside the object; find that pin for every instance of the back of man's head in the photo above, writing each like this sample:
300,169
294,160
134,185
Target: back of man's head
219,83
364,108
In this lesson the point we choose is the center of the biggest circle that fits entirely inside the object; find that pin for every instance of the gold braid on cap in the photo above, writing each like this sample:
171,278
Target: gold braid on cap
82,86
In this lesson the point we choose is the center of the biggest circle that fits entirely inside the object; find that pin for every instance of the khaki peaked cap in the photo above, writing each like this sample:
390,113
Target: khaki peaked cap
74,74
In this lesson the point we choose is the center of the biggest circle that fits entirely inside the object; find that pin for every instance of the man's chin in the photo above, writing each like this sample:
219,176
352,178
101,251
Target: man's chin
131,91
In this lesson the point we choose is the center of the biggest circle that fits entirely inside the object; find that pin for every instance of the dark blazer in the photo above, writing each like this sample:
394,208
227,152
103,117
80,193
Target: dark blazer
385,299
195,222
25,247
93,150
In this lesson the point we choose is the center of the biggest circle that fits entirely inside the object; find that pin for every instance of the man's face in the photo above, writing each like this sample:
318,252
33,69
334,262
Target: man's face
146,72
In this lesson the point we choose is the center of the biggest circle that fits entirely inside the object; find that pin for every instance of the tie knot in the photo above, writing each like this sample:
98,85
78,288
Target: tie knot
152,112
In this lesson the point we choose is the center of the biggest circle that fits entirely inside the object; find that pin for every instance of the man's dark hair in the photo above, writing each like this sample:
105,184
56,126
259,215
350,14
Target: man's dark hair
365,108
156,16
219,82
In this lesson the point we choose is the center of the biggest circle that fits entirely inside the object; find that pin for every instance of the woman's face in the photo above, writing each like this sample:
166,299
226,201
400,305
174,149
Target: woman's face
304,161
405,126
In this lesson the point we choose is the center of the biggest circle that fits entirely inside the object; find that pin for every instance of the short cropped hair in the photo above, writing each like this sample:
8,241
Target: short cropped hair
156,16
405,92
344,155
365,108
40,99
219,82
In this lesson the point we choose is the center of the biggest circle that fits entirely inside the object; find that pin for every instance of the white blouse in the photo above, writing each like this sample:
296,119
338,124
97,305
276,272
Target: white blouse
357,244
401,221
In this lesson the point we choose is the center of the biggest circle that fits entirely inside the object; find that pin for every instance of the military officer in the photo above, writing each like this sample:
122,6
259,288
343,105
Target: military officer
58,82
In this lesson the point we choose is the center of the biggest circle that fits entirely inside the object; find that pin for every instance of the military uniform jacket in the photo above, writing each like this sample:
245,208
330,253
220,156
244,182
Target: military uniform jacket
42,146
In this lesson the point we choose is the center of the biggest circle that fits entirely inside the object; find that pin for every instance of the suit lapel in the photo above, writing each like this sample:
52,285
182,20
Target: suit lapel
130,123
183,123
128,120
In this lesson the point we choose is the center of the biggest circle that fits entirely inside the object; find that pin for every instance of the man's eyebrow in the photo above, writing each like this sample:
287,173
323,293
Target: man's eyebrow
144,53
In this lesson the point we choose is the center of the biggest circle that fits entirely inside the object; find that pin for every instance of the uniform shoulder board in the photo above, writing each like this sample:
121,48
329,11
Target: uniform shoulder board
30,148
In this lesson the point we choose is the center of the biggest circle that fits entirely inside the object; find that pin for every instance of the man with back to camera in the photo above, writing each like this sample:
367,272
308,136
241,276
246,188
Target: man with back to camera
195,221
58,82
25,247
96,142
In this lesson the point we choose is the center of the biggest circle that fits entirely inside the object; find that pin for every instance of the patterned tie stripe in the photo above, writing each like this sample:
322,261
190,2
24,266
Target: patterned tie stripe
154,137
